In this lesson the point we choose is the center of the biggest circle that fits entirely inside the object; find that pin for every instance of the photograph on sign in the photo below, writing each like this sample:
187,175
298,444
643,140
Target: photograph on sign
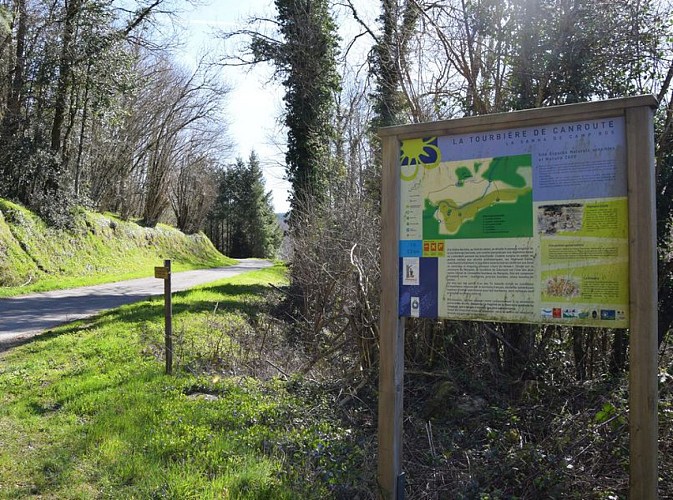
522,225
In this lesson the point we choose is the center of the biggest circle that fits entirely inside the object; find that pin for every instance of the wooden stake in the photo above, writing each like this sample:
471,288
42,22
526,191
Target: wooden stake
643,394
168,318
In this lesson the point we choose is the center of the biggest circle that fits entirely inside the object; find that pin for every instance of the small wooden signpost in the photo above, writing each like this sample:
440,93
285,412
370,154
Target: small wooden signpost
164,273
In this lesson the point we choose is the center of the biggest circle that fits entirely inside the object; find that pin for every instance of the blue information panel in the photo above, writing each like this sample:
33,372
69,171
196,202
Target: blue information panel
523,225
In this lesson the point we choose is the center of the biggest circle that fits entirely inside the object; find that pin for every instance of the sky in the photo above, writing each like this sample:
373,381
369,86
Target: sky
254,103
255,107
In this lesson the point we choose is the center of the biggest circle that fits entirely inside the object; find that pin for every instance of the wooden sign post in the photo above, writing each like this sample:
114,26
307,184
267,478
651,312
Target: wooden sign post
391,371
643,390
555,208
164,273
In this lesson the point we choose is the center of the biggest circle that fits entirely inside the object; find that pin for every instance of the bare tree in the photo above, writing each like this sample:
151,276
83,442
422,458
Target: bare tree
193,189
172,121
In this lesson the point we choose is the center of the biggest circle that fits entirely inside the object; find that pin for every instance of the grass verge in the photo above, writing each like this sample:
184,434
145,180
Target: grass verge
87,412
95,249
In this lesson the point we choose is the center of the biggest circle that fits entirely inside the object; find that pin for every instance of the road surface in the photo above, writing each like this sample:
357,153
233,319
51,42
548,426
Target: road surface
28,315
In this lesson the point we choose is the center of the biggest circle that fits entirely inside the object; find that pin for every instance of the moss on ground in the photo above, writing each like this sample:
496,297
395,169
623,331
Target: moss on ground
96,248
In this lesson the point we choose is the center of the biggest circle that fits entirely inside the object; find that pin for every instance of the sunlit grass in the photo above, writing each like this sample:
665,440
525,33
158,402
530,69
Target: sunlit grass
86,411
96,249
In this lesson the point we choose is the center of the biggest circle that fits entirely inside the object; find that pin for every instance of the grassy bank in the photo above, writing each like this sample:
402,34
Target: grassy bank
87,412
96,249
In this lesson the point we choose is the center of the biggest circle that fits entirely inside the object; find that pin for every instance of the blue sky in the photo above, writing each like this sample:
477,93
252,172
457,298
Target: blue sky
254,103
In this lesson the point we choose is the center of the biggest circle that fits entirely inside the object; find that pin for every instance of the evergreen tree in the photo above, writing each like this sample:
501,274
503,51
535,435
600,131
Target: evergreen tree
221,218
237,207
262,229
243,223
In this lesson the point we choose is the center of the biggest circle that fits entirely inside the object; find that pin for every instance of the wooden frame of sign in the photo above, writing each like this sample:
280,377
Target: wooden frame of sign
636,115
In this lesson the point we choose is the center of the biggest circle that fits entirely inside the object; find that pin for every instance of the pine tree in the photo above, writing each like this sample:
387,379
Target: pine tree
263,232
243,223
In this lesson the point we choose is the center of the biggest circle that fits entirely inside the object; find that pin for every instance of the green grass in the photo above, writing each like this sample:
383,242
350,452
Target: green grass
96,249
87,412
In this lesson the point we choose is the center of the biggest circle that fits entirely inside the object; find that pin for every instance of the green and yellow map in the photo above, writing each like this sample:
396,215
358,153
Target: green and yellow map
479,198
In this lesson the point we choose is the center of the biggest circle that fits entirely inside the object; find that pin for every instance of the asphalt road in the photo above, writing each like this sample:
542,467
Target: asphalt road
28,315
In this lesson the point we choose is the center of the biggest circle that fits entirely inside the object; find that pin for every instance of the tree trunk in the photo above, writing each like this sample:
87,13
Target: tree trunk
579,353
517,349
15,97
82,128
65,69
620,342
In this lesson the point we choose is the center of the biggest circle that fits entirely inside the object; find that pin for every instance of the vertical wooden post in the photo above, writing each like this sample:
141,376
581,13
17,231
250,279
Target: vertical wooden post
391,371
643,395
168,317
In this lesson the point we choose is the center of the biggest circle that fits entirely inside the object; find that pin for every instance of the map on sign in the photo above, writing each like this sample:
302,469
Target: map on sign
464,199
523,225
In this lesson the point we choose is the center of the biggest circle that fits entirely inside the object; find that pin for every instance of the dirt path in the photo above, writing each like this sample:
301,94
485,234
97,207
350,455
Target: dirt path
28,315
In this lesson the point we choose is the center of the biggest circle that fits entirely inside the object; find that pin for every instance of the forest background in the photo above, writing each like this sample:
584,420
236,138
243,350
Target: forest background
96,112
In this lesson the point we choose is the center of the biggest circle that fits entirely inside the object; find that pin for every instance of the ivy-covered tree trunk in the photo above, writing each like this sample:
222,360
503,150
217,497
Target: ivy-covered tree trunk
398,24
305,59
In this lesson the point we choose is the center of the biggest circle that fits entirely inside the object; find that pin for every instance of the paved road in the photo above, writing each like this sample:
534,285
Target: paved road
25,316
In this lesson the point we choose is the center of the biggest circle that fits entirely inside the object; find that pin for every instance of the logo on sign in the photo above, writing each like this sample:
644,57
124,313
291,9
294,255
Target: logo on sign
415,307
411,271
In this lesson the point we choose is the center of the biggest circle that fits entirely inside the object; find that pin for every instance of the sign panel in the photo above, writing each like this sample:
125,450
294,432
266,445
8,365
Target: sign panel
521,225
161,272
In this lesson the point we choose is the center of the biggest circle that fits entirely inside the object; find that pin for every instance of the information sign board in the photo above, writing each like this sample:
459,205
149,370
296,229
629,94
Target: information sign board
525,224
537,216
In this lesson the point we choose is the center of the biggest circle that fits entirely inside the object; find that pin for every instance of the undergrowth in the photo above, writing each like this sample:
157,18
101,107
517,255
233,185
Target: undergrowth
471,433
